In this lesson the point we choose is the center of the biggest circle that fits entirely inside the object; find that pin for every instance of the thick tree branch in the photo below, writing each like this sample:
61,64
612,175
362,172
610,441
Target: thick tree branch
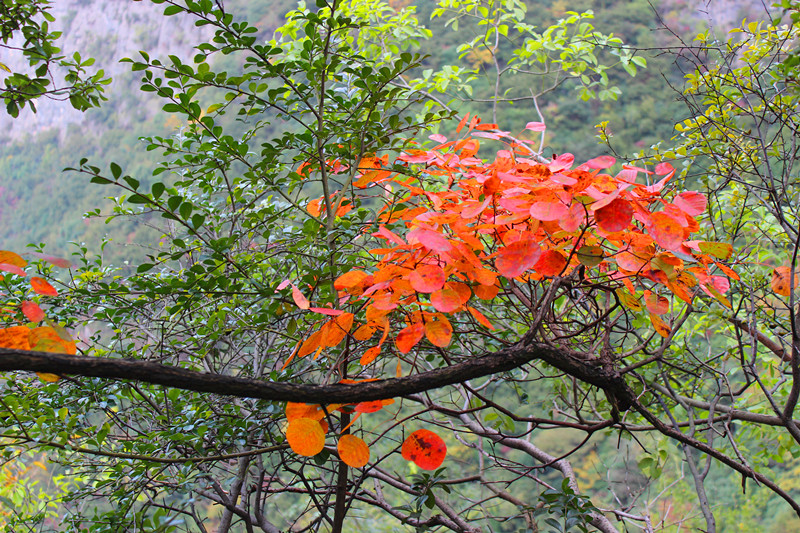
575,364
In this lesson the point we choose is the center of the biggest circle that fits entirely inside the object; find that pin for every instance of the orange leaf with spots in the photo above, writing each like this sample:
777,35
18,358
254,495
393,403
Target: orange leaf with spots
666,231
353,451
372,406
658,305
15,338
439,332
425,448
781,280
660,326
305,436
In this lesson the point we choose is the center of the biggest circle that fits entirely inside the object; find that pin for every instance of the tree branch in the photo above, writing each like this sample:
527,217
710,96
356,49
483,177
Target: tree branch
576,364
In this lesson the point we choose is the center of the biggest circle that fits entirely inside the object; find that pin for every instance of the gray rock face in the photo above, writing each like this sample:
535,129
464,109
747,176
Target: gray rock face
107,30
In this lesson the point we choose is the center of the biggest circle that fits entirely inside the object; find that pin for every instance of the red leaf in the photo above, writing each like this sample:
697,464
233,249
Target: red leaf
425,448
477,315
409,337
690,202
616,216
14,269
40,286
57,261
535,126
516,258
603,161
549,211
326,311
551,263
561,162
446,300
430,239
427,278
32,311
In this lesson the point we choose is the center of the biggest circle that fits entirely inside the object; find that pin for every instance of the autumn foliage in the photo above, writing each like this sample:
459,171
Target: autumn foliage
464,228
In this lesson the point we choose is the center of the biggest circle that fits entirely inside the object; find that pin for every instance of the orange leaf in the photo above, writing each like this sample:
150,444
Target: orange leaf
15,338
349,280
300,300
658,305
551,263
661,327
305,436
616,216
12,259
337,329
439,332
446,300
477,315
409,337
364,332
303,410
371,407
370,355
32,311
780,282
47,339
40,286
48,377
485,292
425,448
516,258
628,300
311,343
666,231
427,278
353,451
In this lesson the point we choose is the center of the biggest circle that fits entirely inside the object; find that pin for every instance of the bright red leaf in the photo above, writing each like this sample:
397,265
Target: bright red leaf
616,216
425,448
409,337
516,258
427,278
32,311
40,286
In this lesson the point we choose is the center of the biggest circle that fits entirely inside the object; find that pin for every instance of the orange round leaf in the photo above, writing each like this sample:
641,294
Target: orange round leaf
486,292
353,451
425,448
303,410
658,305
616,216
439,332
666,231
349,280
409,337
40,286
446,300
427,278
781,278
305,436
